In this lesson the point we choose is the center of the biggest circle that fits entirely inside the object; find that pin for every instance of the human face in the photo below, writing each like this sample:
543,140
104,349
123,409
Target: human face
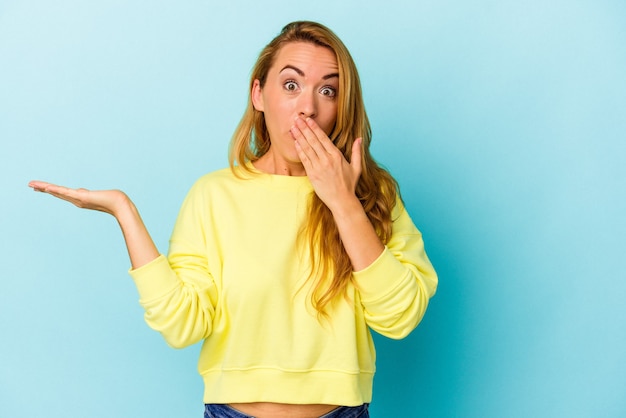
302,82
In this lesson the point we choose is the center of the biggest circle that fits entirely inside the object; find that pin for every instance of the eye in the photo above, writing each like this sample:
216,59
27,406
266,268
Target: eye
328,91
290,85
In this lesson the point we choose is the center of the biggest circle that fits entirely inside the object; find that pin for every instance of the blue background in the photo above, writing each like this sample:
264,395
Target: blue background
504,122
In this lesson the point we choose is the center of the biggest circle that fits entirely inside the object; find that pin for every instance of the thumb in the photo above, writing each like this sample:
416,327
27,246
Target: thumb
355,158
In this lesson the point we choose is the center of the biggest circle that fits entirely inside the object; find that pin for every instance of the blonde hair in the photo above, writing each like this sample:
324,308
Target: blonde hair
376,189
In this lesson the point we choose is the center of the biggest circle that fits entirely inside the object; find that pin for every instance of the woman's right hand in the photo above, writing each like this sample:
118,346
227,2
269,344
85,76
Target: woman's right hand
141,248
109,201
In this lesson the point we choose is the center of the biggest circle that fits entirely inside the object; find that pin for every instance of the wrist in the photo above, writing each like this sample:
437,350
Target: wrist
347,207
123,209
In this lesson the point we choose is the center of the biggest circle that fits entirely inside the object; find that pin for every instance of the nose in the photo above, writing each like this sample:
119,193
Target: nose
307,104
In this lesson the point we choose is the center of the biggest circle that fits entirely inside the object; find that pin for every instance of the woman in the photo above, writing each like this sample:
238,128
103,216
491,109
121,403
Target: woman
282,262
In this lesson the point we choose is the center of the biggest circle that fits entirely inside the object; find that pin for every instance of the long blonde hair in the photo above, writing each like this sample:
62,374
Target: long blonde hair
376,189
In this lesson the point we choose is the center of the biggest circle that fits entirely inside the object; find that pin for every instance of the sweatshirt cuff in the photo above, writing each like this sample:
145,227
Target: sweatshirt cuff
375,281
154,279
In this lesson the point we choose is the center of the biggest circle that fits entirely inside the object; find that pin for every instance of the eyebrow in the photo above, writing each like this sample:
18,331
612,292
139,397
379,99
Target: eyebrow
301,73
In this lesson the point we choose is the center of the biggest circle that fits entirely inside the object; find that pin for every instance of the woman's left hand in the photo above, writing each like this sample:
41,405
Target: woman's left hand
334,179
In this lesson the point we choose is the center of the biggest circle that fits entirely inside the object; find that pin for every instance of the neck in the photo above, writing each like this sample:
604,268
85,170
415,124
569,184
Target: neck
270,164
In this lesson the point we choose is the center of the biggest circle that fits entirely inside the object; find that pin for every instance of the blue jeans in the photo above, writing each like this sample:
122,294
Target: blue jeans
215,410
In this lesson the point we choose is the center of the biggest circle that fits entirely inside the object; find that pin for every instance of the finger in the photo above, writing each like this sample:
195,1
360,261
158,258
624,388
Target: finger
304,158
315,136
74,196
308,139
63,193
356,156
56,190
38,186
305,145
323,138
52,189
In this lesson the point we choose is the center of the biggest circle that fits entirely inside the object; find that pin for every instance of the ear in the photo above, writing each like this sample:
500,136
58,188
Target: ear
257,96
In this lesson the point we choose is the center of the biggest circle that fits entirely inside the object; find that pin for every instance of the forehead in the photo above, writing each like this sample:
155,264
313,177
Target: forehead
310,58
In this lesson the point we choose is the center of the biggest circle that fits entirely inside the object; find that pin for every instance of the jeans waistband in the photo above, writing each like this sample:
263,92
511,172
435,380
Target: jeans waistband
225,411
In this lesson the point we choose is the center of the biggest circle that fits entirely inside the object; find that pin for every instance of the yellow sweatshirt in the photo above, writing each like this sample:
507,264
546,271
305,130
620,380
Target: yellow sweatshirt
235,278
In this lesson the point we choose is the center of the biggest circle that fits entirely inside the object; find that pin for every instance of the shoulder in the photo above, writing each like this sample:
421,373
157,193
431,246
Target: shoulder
402,221
223,174
218,178
225,181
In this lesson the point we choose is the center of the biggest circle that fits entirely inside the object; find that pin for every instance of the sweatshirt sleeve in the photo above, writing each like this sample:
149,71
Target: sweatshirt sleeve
396,287
178,293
